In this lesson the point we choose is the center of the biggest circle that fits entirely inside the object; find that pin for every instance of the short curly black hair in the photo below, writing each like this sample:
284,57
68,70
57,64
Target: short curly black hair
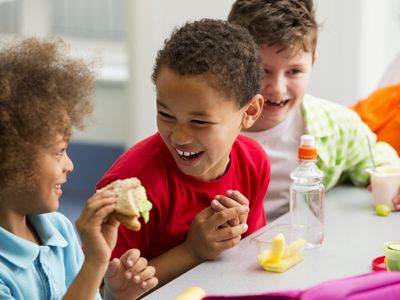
288,24
43,92
223,53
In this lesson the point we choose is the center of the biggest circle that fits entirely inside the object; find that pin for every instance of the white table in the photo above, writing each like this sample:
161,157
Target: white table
354,236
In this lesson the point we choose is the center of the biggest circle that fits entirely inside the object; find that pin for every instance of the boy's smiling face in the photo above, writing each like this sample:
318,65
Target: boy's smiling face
284,84
198,124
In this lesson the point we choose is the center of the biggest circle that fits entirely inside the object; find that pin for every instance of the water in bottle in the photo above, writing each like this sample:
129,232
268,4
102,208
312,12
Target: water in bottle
307,194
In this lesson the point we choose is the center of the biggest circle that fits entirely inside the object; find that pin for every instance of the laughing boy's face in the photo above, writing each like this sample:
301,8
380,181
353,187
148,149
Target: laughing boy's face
197,123
285,82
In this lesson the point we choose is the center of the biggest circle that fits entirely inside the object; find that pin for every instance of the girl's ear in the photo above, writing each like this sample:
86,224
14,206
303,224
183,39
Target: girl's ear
252,111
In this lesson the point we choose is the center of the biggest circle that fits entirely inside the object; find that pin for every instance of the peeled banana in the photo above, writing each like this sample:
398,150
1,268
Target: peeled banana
280,257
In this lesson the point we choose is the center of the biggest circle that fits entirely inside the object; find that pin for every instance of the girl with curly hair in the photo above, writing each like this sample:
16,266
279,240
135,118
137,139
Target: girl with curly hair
44,93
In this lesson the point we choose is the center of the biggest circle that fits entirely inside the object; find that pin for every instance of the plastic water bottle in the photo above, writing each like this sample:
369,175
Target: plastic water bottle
307,194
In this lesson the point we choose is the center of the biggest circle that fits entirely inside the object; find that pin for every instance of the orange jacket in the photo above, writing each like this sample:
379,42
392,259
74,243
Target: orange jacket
381,111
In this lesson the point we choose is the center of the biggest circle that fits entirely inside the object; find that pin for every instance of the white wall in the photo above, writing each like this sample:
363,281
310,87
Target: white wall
357,41
150,23
108,123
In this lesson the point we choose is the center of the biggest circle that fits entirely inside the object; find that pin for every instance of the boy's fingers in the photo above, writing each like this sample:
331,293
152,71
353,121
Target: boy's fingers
396,202
205,213
237,196
235,222
222,202
93,206
219,207
227,244
112,269
232,232
130,257
96,214
98,197
216,205
228,214
226,201
138,267
99,202
149,284
100,215
112,220
232,198
145,274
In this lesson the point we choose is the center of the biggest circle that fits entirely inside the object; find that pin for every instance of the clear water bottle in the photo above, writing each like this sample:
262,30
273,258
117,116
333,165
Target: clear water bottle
307,194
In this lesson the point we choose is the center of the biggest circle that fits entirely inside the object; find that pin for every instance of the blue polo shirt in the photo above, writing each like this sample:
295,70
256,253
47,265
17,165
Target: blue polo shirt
30,271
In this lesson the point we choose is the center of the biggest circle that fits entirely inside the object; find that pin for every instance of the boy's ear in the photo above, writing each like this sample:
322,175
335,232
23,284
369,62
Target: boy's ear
253,110
315,56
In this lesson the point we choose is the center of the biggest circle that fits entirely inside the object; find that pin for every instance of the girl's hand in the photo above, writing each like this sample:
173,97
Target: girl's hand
206,238
98,231
129,276
233,198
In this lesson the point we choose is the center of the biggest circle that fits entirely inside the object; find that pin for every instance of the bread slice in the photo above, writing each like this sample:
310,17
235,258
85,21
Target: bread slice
131,203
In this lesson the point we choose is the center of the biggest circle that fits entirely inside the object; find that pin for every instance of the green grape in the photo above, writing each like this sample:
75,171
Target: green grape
382,210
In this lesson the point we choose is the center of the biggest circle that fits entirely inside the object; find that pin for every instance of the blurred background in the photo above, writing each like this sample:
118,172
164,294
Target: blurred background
357,42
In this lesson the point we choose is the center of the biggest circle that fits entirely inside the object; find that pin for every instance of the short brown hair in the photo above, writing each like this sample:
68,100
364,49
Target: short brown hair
43,92
288,24
224,53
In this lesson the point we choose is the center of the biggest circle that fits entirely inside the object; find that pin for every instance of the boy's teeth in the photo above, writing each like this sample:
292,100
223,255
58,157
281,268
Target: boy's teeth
186,153
276,103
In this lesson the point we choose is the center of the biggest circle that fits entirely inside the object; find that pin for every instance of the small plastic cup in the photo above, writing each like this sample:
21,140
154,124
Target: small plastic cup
264,240
385,181
392,256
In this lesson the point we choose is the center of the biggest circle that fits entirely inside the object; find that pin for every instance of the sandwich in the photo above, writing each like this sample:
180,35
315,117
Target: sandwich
132,202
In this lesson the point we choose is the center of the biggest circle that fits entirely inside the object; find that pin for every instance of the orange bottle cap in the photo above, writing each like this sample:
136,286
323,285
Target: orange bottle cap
307,152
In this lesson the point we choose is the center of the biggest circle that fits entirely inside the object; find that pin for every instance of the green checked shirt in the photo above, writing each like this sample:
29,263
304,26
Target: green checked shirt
342,144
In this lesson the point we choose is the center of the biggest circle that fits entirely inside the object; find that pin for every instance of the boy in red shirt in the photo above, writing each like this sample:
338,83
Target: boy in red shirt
207,79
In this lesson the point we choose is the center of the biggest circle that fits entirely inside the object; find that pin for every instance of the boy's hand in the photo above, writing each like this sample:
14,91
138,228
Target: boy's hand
98,231
396,200
206,238
232,199
129,276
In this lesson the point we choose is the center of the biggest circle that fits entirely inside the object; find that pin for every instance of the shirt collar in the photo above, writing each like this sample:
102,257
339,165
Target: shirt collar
21,252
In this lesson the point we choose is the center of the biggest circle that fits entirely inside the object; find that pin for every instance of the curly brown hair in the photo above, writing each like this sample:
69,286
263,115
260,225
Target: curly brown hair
43,92
288,24
223,53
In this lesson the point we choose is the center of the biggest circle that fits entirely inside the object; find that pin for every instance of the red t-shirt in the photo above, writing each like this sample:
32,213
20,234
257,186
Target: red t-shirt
177,198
